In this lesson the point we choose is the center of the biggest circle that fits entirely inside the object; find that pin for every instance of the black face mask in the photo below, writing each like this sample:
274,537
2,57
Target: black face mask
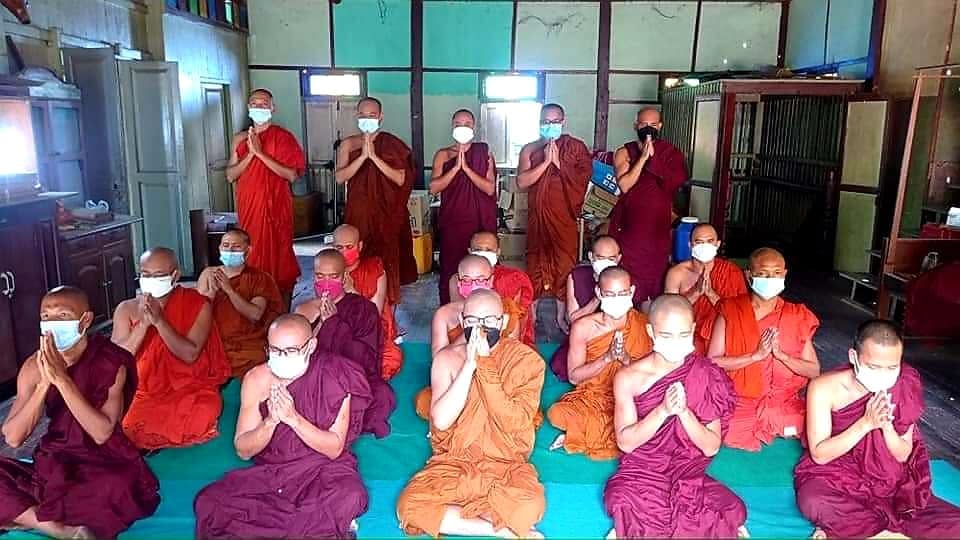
492,334
645,131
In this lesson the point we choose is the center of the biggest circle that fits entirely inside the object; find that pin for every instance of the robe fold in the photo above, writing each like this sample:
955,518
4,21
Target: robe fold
365,277
72,478
176,403
515,284
584,289
481,462
245,342
555,204
661,489
866,490
293,491
585,414
642,217
265,206
727,281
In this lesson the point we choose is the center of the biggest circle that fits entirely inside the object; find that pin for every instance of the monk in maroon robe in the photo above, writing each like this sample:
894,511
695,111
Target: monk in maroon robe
649,172
299,416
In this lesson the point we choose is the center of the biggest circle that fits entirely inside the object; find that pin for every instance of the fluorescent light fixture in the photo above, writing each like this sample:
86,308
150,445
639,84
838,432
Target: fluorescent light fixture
670,82
511,87
691,82
346,84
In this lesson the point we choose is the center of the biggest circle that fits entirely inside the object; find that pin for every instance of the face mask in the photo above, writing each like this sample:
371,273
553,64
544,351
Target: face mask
875,380
368,125
331,287
492,334
259,116
466,288
66,334
351,255
616,306
463,134
767,288
551,131
287,367
647,131
599,265
704,252
490,256
233,259
674,351
157,287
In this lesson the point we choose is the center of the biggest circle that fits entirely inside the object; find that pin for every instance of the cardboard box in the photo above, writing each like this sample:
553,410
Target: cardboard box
423,253
307,214
513,249
599,203
419,208
605,177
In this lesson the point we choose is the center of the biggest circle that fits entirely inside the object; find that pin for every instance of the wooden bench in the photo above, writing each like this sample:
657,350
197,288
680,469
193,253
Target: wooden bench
860,280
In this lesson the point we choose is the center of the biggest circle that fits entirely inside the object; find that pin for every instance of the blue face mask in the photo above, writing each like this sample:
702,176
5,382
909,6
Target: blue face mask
66,334
259,116
232,259
551,131
767,288
368,125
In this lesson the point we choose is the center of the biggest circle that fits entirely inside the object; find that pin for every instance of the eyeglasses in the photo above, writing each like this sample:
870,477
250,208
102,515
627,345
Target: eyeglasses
614,294
289,351
474,281
490,321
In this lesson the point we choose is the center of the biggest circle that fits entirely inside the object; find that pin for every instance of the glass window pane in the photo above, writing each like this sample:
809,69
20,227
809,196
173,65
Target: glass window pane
511,87
347,84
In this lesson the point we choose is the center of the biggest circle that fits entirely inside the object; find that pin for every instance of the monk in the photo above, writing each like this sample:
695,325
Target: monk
766,345
704,280
555,169
865,471
377,168
366,277
486,393
672,407
245,301
600,344
299,416
264,161
582,299
465,176
83,464
180,358
649,173
348,325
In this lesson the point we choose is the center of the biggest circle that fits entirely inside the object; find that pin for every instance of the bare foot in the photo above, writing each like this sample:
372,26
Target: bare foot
534,534
819,534
558,442
82,533
742,532
889,534
612,534
504,533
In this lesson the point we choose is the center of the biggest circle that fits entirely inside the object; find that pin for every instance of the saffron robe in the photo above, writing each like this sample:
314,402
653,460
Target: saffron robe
727,281
642,217
481,462
72,478
515,284
293,491
555,204
584,289
265,206
661,489
176,403
378,208
245,342
585,414
365,277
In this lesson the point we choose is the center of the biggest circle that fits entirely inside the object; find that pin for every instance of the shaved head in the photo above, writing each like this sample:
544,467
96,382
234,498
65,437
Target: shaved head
879,332
329,263
370,105
614,278
463,117
765,254
667,306
159,261
605,246
767,262
552,112
346,234
238,235
290,324
648,116
703,232
485,241
483,303
67,297
474,266
262,92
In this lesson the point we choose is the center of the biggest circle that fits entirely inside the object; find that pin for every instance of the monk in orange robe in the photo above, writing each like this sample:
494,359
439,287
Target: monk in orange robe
555,169
180,359
599,344
479,481
377,169
766,345
264,161
705,280
245,301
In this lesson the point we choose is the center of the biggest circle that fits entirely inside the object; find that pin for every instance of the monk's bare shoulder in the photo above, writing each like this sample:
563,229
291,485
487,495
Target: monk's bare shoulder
450,313
532,146
127,308
257,381
451,357
351,142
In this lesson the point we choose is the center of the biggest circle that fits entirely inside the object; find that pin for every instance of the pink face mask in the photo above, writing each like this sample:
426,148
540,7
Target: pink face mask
331,287
468,286
351,255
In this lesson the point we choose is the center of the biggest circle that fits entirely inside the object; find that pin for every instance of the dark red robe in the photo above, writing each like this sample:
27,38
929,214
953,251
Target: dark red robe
584,289
929,296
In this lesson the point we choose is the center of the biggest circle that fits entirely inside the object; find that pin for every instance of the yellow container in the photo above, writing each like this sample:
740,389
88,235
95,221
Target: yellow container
423,253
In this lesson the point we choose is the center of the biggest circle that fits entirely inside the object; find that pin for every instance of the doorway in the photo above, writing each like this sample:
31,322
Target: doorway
216,139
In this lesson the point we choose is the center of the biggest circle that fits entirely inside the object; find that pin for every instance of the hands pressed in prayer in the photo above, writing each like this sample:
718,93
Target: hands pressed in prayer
53,368
366,149
283,406
473,350
648,151
151,312
348,285
222,282
617,349
253,142
553,153
879,410
272,418
327,308
767,341
461,160
675,399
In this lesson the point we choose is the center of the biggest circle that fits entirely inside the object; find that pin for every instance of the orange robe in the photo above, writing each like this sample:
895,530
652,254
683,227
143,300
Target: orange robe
244,341
176,403
556,201
481,462
727,281
365,277
585,413
265,207
515,284
768,393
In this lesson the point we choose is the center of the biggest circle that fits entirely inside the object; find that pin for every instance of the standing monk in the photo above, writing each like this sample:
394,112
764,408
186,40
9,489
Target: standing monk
555,169
465,175
264,161
180,359
83,464
766,345
649,172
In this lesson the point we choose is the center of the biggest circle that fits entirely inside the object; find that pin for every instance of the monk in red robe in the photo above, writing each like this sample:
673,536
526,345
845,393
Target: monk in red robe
555,169
264,161
766,345
245,302
465,176
865,471
649,172
180,359
87,480
704,280
377,168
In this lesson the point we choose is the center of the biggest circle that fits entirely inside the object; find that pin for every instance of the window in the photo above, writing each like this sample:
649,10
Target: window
230,13
511,87
510,111
333,84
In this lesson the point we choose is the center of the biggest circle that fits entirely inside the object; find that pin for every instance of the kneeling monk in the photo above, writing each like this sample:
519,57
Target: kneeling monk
299,416
486,393
180,359
599,345
87,480
866,470
672,406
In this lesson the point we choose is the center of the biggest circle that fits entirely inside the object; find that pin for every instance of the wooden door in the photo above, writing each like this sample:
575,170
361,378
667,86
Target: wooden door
119,269
8,350
86,273
216,138
25,282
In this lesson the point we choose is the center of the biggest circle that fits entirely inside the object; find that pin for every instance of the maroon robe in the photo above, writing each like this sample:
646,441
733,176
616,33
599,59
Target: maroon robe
293,491
661,489
866,490
72,479
584,289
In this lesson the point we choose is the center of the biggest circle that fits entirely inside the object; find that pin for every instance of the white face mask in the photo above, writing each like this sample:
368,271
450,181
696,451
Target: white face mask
158,287
288,367
259,116
875,380
673,350
767,288
616,306
488,255
463,134
599,265
66,334
704,252
368,125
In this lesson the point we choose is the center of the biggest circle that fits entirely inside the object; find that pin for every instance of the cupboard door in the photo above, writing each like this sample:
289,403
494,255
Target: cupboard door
27,284
118,265
87,274
8,352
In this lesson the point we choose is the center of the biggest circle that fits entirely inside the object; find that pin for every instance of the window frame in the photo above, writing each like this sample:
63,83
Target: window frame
541,86
306,74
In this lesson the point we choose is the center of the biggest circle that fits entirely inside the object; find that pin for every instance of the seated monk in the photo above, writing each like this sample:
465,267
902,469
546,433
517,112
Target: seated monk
486,393
299,415
865,471
83,464
582,297
348,325
600,344
180,359
672,407
366,277
766,345
245,302
704,280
